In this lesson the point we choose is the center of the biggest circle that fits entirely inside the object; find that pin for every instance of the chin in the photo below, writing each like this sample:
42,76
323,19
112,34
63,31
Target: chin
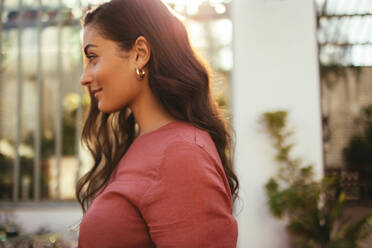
108,109
104,109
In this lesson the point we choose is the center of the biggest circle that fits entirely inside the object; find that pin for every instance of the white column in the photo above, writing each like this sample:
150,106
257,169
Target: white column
275,67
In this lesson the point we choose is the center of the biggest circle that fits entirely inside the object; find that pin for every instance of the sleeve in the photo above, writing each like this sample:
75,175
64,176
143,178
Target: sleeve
188,205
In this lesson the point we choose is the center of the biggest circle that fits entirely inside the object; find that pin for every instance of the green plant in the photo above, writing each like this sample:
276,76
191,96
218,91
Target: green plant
6,183
358,152
314,209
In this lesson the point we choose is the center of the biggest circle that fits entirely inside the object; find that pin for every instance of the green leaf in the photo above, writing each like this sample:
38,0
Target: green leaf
360,229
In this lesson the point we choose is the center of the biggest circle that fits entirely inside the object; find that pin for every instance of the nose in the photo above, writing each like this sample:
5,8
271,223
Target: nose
86,77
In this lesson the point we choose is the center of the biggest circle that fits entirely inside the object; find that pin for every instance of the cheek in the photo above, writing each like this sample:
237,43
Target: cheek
111,72
120,88
123,86
100,74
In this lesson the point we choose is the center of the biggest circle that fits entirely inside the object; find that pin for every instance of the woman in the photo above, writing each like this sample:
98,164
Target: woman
167,182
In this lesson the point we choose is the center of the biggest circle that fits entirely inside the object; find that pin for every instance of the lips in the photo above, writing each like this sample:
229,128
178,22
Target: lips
95,91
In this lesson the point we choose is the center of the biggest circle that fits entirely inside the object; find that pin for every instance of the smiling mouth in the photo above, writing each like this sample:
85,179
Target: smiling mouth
95,91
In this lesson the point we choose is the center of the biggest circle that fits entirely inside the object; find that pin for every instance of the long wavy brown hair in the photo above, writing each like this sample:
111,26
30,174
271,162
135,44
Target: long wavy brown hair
176,76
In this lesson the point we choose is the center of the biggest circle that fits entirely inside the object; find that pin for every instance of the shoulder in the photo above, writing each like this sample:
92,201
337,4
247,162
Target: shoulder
191,163
188,171
178,134
178,144
186,140
183,152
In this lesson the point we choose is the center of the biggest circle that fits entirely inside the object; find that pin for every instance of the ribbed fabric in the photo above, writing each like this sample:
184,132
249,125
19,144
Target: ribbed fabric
169,190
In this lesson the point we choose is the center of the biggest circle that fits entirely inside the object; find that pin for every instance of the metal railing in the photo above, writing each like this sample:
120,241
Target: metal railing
40,25
342,26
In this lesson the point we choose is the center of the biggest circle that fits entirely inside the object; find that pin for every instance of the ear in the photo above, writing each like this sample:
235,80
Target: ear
142,51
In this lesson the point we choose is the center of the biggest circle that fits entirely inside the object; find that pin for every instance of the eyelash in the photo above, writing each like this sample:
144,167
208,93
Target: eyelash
90,57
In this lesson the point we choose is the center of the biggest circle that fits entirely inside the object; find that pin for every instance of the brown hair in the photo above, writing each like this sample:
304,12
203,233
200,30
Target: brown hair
176,77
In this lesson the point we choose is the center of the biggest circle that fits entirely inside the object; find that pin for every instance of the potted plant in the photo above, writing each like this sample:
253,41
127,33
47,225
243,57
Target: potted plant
314,209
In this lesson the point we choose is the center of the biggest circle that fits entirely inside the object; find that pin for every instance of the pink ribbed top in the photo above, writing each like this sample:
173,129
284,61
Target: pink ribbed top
169,190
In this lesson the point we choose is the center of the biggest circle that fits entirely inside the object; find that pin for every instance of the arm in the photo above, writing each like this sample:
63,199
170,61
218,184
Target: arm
188,204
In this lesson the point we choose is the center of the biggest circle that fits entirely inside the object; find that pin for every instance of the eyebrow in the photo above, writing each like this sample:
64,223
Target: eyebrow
87,47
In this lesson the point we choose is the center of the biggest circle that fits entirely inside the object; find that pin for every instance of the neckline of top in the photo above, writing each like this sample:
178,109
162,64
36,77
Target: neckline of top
161,128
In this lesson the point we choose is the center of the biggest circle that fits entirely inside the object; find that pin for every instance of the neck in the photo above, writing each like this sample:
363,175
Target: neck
148,111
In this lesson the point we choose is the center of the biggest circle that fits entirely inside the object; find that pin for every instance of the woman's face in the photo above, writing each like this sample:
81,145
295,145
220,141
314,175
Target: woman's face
109,72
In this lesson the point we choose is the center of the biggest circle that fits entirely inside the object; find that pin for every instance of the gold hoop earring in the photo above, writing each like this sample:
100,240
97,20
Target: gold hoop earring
140,74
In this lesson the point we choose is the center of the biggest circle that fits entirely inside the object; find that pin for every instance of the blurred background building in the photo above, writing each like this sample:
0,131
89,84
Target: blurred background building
312,58
345,49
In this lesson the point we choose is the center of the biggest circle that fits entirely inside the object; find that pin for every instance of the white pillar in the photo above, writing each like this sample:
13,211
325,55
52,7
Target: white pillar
275,67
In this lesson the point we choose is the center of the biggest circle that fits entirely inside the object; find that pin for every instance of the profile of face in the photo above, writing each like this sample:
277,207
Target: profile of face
110,72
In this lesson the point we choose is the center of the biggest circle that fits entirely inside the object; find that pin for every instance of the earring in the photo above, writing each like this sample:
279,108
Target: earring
140,74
